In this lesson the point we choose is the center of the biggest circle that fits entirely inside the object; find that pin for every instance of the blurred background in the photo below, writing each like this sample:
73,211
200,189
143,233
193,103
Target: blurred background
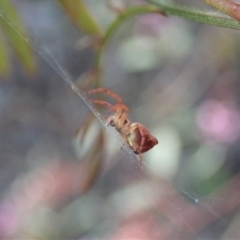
62,173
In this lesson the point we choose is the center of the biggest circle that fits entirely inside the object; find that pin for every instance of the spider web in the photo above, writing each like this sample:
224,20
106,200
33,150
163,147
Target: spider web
205,206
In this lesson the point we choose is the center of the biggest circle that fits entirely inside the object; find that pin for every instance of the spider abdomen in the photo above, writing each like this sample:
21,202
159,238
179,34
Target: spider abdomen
139,139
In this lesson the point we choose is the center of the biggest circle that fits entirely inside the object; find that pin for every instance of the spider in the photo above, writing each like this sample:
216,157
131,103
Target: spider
135,135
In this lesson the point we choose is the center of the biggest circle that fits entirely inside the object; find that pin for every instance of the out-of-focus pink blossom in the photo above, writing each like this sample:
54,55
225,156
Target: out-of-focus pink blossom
140,226
8,219
218,121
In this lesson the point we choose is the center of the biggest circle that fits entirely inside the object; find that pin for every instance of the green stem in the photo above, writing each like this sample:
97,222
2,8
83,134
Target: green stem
129,13
227,6
204,16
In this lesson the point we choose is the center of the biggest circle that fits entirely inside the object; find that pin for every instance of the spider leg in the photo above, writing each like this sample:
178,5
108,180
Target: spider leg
106,91
104,103
122,119
119,110
121,114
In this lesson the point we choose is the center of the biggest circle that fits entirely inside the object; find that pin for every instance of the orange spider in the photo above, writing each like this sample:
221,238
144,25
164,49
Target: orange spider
136,135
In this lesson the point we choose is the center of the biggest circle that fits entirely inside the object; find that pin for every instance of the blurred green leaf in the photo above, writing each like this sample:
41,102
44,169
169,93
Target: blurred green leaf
173,8
79,13
12,26
4,59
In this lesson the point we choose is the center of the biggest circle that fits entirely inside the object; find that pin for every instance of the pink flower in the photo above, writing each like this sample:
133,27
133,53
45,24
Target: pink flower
218,121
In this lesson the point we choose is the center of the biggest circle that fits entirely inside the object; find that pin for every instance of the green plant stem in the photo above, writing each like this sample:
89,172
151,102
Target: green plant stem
204,16
129,13
229,7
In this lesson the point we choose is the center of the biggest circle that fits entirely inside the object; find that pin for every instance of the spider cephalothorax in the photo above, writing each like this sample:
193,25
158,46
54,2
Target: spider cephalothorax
134,134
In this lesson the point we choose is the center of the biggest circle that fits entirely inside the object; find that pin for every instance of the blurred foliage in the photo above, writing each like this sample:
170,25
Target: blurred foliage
82,17
229,7
13,34
79,13
173,8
